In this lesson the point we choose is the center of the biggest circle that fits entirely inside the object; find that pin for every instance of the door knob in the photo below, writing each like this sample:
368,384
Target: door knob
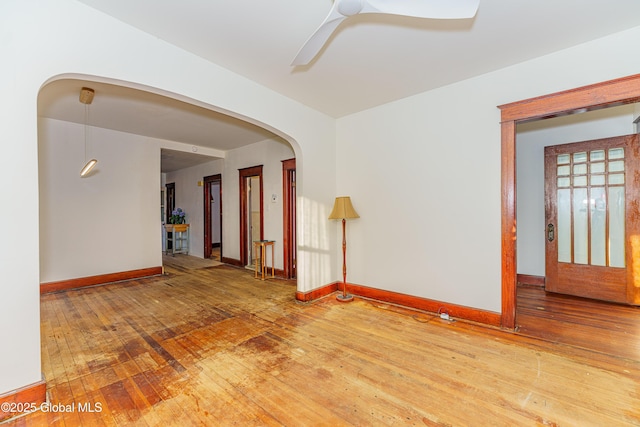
550,232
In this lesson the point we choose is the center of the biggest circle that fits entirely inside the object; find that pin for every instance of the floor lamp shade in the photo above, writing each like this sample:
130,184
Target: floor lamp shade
343,209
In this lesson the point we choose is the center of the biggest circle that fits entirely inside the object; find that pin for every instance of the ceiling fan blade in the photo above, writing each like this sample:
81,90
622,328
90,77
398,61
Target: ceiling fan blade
313,45
341,9
434,9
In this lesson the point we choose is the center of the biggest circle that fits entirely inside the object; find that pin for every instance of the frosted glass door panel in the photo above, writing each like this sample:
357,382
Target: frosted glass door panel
589,230
580,226
564,225
598,226
616,227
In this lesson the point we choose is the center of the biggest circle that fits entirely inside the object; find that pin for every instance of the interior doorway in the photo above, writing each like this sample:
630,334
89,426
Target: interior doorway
602,95
213,217
289,214
170,206
251,213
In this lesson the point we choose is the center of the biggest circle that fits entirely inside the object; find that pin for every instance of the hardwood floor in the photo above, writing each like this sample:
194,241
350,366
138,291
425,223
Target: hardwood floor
596,326
215,253
210,345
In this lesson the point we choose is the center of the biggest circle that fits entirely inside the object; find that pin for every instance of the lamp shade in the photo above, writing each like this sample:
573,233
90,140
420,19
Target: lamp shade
343,209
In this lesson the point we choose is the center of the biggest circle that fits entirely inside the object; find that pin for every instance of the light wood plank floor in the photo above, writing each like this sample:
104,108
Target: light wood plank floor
213,346
597,326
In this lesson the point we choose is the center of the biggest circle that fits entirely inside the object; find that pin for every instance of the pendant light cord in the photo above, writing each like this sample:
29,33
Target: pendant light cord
86,109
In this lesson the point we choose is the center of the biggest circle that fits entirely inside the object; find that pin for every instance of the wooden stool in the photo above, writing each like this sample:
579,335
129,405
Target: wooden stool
262,246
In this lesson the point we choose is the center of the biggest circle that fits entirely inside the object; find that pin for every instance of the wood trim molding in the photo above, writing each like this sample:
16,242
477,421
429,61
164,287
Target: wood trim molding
33,394
317,293
242,185
586,98
289,218
99,279
530,280
610,93
409,301
509,267
170,203
454,310
208,213
231,261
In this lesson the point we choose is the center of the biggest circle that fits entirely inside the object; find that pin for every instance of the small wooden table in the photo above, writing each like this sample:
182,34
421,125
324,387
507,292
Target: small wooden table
262,246
178,236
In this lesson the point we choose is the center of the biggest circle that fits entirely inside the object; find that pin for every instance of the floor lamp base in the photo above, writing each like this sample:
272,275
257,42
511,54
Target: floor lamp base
344,298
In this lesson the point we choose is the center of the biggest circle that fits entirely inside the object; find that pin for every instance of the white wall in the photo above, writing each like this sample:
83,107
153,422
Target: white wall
41,40
107,222
189,197
424,175
270,154
530,142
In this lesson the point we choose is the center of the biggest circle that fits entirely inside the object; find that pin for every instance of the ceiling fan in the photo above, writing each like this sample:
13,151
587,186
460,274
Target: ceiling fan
342,9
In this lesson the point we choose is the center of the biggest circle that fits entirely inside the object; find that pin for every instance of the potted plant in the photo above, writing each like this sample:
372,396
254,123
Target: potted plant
177,216
177,221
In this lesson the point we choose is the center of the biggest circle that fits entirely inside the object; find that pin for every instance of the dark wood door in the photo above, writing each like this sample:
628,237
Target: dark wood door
171,205
212,213
289,213
593,219
251,211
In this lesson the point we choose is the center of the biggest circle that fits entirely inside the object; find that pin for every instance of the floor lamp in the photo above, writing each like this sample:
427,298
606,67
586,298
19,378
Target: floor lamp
343,209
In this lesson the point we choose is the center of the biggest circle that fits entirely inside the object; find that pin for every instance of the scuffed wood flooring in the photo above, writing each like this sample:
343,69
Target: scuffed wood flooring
213,346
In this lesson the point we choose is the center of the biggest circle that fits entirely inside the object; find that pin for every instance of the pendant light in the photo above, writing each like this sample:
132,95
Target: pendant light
86,97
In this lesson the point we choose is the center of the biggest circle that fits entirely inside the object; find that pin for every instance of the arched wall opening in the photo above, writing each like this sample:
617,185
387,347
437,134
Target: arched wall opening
69,38
109,223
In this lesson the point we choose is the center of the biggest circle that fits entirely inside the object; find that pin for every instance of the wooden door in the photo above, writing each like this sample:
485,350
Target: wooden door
593,219
251,217
289,218
170,206
212,203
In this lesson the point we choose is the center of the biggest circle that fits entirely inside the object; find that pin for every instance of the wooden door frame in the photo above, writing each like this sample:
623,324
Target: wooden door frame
289,219
170,205
170,200
243,174
208,180
620,91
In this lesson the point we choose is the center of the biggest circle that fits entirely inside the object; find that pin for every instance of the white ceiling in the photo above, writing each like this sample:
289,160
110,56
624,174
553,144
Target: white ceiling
370,60
148,114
